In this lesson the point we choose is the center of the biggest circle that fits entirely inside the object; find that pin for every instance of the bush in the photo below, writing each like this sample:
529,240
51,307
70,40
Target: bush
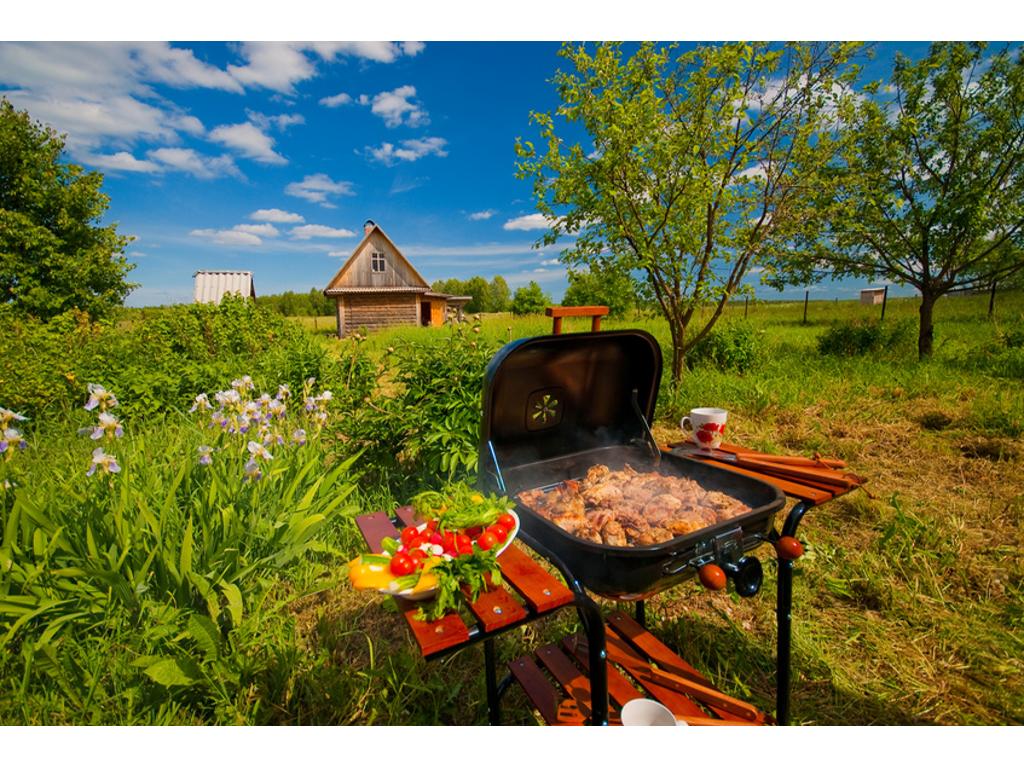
735,346
156,359
861,337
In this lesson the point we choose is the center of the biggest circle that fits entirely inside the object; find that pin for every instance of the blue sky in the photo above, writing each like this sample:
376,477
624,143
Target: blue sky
269,156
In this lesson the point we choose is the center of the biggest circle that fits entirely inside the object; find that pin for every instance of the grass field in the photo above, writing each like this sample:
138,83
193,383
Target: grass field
908,605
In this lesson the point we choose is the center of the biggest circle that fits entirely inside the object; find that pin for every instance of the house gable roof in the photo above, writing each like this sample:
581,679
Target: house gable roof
335,285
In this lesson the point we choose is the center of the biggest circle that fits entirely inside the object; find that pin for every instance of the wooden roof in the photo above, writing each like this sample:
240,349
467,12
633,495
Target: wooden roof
341,282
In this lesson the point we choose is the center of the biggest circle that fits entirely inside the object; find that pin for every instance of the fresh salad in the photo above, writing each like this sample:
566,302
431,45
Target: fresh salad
457,545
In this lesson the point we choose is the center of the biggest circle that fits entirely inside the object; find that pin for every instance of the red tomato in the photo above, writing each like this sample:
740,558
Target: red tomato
499,531
466,550
449,539
507,522
432,525
487,540
474,531
420,540
402,565
417,556
408,535
462,540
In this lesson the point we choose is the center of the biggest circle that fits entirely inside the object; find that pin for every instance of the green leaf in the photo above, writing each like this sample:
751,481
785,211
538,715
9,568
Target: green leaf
206,635
170,672
233,595
185,558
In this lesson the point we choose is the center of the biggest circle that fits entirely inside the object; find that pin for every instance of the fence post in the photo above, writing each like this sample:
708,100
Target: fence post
992,300
807,294
885,297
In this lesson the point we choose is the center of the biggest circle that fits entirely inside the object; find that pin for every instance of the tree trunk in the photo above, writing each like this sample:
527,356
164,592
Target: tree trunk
926,332
678,331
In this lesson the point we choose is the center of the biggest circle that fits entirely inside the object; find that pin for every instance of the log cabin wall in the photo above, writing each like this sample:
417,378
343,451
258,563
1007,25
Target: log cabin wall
374,311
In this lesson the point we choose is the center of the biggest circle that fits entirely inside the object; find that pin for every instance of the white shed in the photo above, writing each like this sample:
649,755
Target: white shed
210,286
872,295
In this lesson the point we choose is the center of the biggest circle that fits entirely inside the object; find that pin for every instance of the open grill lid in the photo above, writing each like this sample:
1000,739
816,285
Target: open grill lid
551,396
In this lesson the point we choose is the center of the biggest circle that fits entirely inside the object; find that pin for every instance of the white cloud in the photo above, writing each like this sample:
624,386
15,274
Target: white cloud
276,215
397,107
344,254
308,231
190,161
529,222
248,140
121,161
409,150
280,122
277,66
260,230
337,100
482,215
382,52
317,187
550,262
227,236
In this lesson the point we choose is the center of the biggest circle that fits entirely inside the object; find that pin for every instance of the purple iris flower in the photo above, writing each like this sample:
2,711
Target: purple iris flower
103,461
205,455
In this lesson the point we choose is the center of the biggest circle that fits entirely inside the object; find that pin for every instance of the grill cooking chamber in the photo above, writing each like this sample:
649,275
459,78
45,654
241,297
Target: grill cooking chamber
554,406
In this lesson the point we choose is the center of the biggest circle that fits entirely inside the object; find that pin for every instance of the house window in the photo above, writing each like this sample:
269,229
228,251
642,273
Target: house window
377,261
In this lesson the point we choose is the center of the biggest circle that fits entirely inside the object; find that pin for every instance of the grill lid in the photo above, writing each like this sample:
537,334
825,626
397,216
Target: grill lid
551,396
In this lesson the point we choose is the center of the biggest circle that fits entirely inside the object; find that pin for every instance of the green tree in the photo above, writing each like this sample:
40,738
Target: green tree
530,299
601,286
689,177
478,289
499,296
54,256
928,186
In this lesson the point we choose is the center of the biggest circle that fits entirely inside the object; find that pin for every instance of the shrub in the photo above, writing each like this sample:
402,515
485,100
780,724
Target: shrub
734,346
861,337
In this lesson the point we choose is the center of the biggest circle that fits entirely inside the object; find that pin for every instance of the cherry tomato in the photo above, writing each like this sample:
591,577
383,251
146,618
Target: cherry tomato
409,535
432,525
507,522
449,539
487,540
462,540
789,548
417,556
466,550
474,531
420,540
402,565
499,531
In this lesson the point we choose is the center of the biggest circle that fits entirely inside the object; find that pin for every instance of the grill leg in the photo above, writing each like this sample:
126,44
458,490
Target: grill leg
493,701
641,613
593,624
784,616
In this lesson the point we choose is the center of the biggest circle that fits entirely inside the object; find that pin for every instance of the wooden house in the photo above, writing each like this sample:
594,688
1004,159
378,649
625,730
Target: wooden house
377,287
211,286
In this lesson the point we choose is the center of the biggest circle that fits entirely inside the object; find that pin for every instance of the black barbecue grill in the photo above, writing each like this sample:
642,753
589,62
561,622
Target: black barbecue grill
554,406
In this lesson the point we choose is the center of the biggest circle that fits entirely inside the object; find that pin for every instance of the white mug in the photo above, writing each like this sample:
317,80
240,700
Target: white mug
648,712
707,425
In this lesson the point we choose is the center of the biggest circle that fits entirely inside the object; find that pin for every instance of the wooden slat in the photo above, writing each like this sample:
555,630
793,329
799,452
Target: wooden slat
620,690
655,650
408,516
435,636
594,311
575,683
496,608
705,694
541,693
622,654
788,487
541,591
375,527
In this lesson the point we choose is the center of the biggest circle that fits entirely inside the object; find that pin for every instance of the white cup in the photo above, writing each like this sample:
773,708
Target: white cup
647,712
707,425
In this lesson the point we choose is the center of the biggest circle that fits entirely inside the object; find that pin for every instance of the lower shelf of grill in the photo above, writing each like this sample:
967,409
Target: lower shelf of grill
556,680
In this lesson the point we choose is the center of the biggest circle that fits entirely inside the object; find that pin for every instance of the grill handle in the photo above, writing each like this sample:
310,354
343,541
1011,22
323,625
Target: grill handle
746,574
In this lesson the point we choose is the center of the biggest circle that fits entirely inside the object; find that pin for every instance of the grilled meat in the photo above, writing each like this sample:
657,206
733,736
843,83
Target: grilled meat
629,508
